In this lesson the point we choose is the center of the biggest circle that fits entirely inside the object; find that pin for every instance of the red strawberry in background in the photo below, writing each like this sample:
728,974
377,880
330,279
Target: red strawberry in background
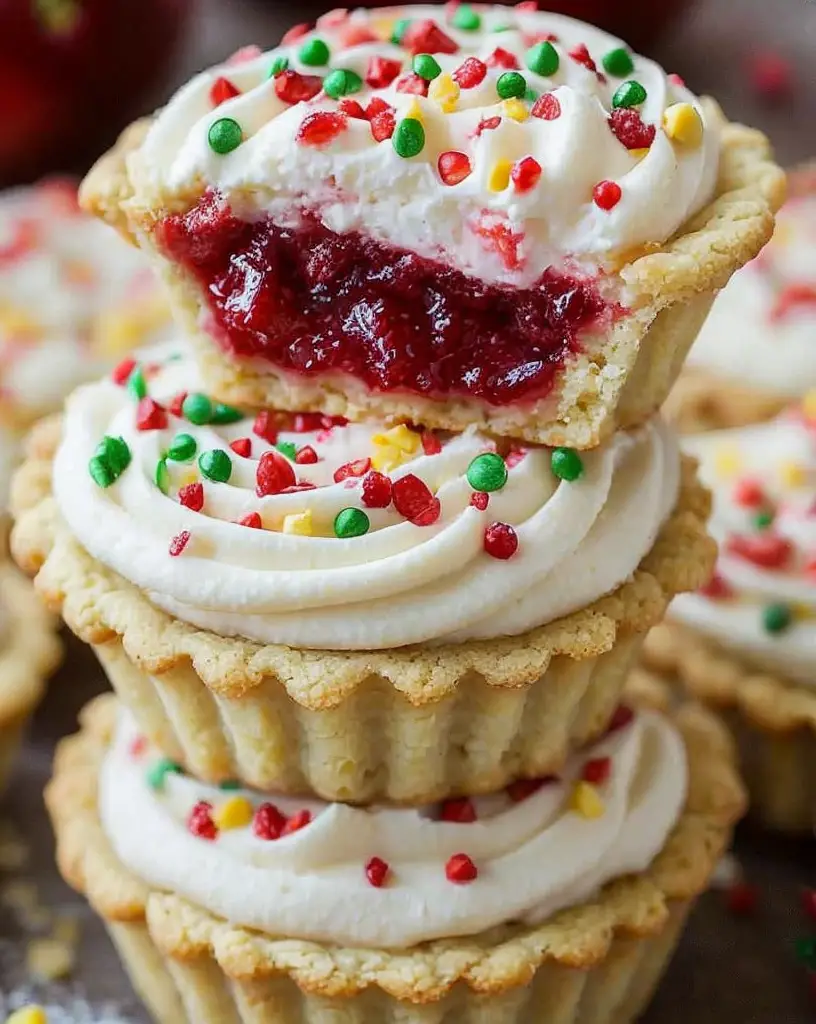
73,73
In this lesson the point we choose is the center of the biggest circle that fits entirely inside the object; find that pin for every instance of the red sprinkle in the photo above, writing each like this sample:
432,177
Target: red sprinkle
487,124
480,499
192,497
175,405
357,468
460,811
179,543
242,446
597,770
351,108
809,902
268,822
266,426
377,871
453,167
772,76
581,56
630,130
377,105
383,126
530,6
274,473
523,788
431,444
376,490
525,174
295,33
547,107
716,589
791,297
515,456
622,716
321,128
749,493
150,415
426,36
470,73
741,899
460,869
252,520
244,54
137,747
768,550
200,821
356,35
292,87
414,501
381,72
607,194
222,90
501,58
413,84
500,541
122,372
296,822
306,456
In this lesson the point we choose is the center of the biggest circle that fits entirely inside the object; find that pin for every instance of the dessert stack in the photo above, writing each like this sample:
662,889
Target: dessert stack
368,552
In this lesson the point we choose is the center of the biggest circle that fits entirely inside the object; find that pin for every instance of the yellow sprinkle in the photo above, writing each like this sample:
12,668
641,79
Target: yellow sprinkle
499,177
727,461
793,474
586,802
234,813
683,124
444,91
639,154
413,110
809,404
299,523
401,437
189,476
28,1015
125,327
383,27
515,109
802,611
16,321
386,457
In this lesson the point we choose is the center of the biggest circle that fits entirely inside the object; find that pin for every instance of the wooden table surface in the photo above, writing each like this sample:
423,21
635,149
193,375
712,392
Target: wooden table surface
729,970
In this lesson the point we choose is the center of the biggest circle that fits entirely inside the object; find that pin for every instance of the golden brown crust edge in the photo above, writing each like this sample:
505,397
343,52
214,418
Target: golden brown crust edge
490,963
98,606
701,401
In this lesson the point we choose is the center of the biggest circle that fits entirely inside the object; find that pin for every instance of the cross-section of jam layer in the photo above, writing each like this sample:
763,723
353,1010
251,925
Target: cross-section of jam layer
311,301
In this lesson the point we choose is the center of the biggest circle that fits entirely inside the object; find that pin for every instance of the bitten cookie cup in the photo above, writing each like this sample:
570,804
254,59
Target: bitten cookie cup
281,613
597,962
517,224
754,356
29,652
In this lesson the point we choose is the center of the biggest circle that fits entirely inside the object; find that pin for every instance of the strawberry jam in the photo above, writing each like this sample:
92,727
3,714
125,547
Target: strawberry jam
311,301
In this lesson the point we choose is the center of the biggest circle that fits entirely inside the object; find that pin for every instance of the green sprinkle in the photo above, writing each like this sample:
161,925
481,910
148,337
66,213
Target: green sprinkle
426,66
566,464
511,85
503,28
101,473
762,520
230,785
198,409
400,28
630,94
162,476
278,66
776,618
225,135
543,59
409,138
315,53
806,952
530,94
136,383
618,62
225,414
487,472
215,465
341,82
288,449
351,522
466,19
157,773
182,448
115,451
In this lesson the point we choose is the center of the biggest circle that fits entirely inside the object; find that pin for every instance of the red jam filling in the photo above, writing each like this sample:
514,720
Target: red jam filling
311,301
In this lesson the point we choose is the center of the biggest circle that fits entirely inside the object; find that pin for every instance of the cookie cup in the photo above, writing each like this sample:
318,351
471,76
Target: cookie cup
772,719
408,725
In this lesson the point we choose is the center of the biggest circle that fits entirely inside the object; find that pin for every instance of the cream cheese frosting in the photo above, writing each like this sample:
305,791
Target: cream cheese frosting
369,537
664,160
762,603
762,328
529,858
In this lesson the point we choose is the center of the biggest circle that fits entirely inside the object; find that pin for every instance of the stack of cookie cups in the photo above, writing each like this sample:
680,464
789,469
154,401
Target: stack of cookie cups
368,757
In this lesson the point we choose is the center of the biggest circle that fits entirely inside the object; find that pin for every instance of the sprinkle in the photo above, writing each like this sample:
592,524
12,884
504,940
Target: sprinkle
287,448
252,520
741,899
466,19
224,414
431,445
315,53
501,58
237,812
776,618
305,456
174,406
460,811
200,822
597,770
197,408
727,460
292,87
222,90
192,497
445,91
342,82
377,871
618,62
352,108
157,773
376,490
806,952
499,177
749,493
582,56
28,1015
383,126
500,541
566,464
767,550
426,66
487,472
358,468
122,372
274,474
266,426
229,784
294,33
179,543
717,589
242,446
215,465
479,500
763,520
460,869
278,66
511,84
586,801
137,747
543,59
516,110
299,524
547,107
381,72
225,135
793,474
136,383
523,789
386,458
487,124
401,437
526,174
351,522
629,94
631,131
607,194
161,476
409,138
622,716
268,822
111,459
296,822
426,36
321,127
682,124
356,35
809,903
414,501
453,167
470,73
150,415
771,75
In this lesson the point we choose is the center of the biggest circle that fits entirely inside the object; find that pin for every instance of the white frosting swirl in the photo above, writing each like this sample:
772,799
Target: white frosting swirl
762,329
400,583
533,858
780,458
357,184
